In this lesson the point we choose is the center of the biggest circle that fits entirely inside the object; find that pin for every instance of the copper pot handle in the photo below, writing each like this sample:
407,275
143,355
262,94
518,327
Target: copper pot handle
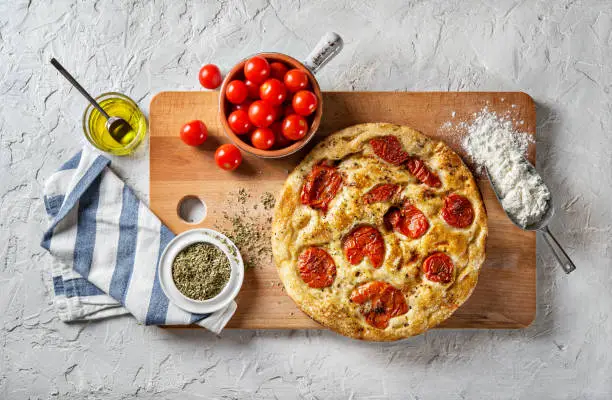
326,49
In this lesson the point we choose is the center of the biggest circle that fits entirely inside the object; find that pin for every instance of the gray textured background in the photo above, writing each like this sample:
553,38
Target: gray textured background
560,52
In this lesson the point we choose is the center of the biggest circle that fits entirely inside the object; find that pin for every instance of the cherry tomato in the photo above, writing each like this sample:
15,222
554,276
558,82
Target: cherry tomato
210,76
304,102
194,133
236,92
273,91
280,141
288,110
228,157
239,122
262,138
261,113
296,80
278,70
278,112
257,69
295,127
243,106
253,89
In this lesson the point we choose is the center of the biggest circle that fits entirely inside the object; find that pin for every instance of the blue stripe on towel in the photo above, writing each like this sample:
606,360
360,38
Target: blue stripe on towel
46,242
86,228
76,287
158,305
126,249
197,317
92,173
79,287
58,285
73,162
53,204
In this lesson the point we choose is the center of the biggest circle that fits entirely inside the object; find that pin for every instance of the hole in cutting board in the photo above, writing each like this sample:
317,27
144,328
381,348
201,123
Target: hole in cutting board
191,209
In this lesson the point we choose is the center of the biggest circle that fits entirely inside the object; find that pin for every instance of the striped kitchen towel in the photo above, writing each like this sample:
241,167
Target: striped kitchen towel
106,245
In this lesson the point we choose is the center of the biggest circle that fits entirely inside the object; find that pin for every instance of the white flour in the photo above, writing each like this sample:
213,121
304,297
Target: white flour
493,142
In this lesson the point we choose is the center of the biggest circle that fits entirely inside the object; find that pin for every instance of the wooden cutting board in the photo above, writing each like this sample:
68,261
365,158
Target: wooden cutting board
505,296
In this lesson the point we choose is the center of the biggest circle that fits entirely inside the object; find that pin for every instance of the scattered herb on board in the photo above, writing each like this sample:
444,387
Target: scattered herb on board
200,271
250,230
268,200
243,196
251,237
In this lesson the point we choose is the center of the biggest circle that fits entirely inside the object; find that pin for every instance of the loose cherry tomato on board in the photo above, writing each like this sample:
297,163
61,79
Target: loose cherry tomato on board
263,138
261,113
243,106
280,141
194,133
273,91
210,76
295,127
228,157
253,89
296,80
257,69
304,102
239,122
278,70
236,92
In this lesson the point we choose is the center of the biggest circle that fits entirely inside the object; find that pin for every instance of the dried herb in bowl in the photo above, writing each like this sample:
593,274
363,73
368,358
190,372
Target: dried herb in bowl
200,271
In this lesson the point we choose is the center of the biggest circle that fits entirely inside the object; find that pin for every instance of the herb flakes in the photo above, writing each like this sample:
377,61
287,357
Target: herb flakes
268,201
251,237
248,226
243,196
200,271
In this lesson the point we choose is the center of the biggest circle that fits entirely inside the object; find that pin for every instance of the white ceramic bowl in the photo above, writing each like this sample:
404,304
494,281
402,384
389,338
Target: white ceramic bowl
229,292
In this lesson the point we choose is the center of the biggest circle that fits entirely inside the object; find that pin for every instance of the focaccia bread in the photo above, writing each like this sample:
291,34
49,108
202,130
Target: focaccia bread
379,233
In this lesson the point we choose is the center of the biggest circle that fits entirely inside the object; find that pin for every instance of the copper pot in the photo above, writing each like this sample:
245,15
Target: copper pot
324,51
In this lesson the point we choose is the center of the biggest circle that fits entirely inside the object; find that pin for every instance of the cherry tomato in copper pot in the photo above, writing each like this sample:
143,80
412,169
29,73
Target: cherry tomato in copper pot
296,80
273,91
288,110
253,89
278,70
239,122
279,112
236,92
262,138
280,140
243,106
304,102
295,127
261,113
257,69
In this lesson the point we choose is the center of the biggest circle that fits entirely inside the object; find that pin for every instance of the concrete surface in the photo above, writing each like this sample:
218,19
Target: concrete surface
560,52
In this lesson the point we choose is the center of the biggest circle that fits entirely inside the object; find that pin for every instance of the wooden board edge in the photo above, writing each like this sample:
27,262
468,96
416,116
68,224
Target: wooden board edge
531,109
157,97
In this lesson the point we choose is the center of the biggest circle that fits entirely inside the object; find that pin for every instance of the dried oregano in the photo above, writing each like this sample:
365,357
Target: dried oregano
200,271
248,229
268,200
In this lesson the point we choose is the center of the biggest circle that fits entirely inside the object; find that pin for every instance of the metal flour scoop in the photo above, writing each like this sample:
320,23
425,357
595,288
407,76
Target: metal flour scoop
541,225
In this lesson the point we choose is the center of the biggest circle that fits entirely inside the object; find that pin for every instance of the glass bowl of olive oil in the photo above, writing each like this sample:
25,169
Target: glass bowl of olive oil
116,105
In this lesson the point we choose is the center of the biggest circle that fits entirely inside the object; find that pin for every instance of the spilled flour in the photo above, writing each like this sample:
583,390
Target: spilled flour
493,143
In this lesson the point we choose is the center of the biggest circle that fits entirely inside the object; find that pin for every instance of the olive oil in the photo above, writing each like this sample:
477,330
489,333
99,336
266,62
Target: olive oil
116,105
